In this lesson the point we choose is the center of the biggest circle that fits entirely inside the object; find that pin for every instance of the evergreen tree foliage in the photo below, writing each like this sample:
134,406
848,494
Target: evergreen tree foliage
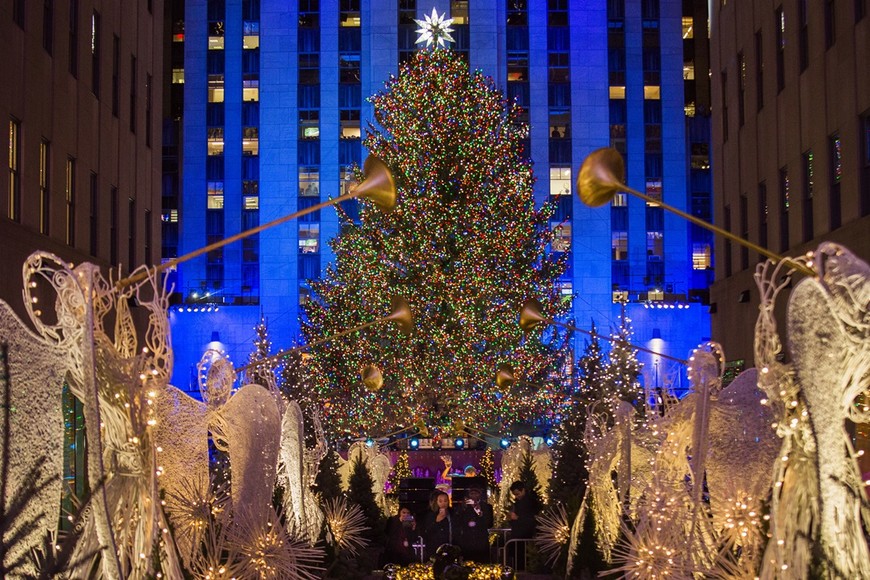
570,474
621,376
401,470
465,246
591,365
327,482
487,466
360,492
262,350
530,479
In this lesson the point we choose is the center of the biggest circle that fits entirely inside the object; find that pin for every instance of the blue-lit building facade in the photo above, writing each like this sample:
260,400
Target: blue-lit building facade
268,104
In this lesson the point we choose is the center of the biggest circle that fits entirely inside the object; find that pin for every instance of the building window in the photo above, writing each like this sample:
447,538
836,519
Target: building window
744,231
250,141
807,209
741,89
561,236
13,210
44,186
784,202
803,35
215,195
309,182
95,53
74,38
779,19
619,245
830,24
763,210
560,181
94,215
655,246
133,77
836,174
131,234
114,211
18,12
723,77
759,71
116,67
309,238
47,25
864,181
702,257
148,90
70,190
728,248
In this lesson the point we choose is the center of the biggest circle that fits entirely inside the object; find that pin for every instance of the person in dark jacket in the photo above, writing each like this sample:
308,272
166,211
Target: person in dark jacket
438,524
522,518
473,521
401,535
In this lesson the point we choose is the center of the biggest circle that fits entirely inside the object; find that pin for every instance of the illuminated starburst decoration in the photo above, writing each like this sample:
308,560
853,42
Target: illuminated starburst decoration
346,524
554,531
435,29
267,550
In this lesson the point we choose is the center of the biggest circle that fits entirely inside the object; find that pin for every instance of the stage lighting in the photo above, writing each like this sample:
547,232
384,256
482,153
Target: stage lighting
505,442
414,443
459,443
370,442
549,441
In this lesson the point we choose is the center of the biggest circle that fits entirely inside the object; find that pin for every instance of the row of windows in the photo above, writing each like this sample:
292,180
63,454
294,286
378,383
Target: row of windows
95,47
808,182
70,200
780,21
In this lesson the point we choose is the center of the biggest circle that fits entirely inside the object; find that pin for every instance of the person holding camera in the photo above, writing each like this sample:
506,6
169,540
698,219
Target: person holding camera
472,524
401,535
438,526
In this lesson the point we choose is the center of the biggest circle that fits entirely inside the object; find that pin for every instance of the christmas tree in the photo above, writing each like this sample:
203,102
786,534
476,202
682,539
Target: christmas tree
620,380
487,466
401,470
327,482
569,452
262,350
465,246
360,492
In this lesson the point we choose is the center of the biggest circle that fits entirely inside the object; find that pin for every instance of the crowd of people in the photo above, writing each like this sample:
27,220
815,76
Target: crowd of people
465,526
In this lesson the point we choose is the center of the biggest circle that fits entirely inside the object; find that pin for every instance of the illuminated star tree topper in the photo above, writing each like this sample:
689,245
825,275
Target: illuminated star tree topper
435,29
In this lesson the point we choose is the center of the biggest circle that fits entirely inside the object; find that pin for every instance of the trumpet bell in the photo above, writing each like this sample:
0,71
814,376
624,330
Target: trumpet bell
504,376
378,186
400,313
601,176
372,378
531,314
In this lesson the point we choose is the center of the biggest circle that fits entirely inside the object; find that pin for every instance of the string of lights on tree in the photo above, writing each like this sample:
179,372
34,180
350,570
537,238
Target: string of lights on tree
465,246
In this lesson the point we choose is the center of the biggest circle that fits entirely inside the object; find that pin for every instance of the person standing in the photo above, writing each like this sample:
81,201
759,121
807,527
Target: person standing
523,520
472,525
401,534
438,525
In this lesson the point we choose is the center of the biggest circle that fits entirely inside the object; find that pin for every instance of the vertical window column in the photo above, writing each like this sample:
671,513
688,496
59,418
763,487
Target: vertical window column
44,186
70,201
807,198
95,214
95,53
13,208
835,163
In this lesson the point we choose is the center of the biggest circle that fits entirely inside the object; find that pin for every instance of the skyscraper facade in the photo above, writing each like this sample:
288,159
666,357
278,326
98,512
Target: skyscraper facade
274,109
792,142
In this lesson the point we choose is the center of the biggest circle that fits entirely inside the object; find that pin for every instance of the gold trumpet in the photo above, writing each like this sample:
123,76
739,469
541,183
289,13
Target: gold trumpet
378,187
400,313
602,176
